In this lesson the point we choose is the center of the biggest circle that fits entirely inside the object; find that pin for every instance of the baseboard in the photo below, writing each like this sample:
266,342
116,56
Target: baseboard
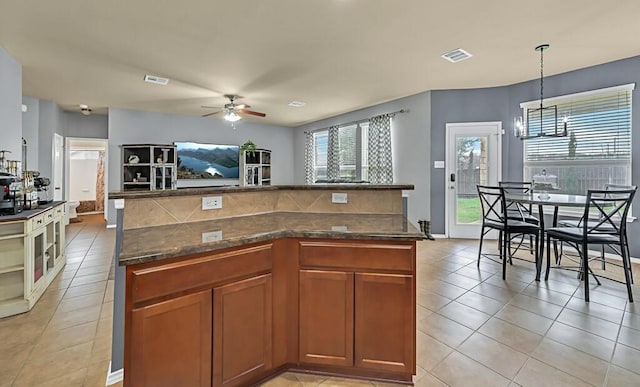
114,377
439,236
111,226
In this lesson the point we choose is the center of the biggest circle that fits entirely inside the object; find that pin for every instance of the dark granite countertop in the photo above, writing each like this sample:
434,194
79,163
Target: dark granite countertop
231,189
176,240
28,214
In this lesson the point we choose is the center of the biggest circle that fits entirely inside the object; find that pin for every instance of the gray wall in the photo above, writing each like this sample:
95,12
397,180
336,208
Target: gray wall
449,106
503,103
31,130
10,105
93,126
410,139
137,127
50,122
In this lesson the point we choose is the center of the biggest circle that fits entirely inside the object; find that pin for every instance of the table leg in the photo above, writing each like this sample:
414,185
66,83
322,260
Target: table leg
540,252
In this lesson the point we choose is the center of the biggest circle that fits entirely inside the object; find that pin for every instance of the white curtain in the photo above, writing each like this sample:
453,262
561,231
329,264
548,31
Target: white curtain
380,160
308,158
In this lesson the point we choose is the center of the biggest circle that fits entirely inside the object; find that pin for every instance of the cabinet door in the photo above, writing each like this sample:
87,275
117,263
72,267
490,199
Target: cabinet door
326,317
384,322
242,347
171,343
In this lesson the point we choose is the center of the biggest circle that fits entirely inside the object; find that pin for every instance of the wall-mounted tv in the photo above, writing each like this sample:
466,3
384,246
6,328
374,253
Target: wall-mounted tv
199,163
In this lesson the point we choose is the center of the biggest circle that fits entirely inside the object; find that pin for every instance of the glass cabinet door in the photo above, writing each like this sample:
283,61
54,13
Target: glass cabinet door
38,257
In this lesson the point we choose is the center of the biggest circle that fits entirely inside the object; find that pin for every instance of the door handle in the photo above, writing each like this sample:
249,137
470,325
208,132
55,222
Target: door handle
452,178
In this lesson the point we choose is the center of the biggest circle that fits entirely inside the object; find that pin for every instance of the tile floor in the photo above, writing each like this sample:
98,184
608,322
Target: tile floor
474,329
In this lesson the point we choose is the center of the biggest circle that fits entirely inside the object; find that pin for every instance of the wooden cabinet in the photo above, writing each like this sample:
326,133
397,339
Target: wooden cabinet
171,342
326,317
242,347
149,167
255,167
384,332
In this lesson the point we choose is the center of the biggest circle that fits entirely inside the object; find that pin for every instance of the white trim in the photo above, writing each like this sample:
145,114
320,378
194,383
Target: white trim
111,226
560,98
115,376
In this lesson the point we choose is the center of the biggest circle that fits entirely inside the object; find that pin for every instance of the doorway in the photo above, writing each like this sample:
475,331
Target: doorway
473,156
86,167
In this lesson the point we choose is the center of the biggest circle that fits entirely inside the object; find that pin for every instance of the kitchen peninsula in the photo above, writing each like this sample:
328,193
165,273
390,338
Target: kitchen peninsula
279,278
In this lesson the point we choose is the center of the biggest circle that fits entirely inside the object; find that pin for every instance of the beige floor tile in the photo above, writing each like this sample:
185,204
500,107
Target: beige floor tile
93,270
572,361
71,379
494,355
629,337
444,289
631,320
597,310
465,315
510,283
429,351
88,279
81,302
444,330
496,292
461,281
511,335
546,294
525,319
536,305
428,380
582,340
626,357
620,377
536,374
459,370
56,364
482,303
53,339
342,382
97,374
80,316
431,300
603,298
77,291
591,324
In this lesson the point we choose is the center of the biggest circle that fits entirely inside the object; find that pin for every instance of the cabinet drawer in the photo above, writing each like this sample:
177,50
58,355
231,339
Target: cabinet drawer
367,256
37,222
165,279
59,211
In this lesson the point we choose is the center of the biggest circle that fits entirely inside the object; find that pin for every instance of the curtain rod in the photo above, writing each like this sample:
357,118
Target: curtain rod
359,121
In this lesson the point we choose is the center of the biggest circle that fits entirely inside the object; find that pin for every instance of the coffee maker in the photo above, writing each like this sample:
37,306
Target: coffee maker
30,194
10,194
42,186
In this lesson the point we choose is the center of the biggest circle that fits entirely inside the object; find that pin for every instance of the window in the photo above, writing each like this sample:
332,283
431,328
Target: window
597,150
352,153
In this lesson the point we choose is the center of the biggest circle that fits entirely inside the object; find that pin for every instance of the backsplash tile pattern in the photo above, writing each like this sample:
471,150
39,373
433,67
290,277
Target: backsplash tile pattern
149,212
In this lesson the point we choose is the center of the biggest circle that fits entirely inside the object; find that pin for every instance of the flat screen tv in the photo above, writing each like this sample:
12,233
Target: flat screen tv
199,163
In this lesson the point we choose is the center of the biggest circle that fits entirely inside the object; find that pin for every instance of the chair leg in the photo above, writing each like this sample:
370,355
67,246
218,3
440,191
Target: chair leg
538,258
602,256
546,273
626,263
585,269
530,244
480,248
505,241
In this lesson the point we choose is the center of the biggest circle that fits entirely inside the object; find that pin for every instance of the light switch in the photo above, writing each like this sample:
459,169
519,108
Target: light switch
438,164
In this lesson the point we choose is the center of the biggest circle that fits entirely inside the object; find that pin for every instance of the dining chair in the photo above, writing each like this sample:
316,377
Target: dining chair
495,217
519,211
607,228
578,223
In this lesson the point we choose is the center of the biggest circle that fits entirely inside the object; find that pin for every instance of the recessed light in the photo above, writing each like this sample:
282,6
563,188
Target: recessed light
156,79
456,55
85,110
297,104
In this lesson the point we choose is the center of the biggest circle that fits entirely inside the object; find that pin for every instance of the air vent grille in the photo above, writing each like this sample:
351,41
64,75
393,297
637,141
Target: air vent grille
456,55
155,79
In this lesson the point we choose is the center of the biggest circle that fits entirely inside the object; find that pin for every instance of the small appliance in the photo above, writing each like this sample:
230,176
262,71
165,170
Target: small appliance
10,194
42,186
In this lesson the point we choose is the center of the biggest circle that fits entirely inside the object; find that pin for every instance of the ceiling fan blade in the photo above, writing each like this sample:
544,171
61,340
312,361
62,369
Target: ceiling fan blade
211,107
210,114
245,111
242,106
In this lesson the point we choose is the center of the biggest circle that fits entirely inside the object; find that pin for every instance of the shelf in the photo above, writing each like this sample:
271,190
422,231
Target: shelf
136,183
137,165
11,269
11,236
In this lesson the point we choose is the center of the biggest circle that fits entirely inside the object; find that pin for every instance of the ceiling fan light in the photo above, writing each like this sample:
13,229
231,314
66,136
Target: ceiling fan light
232,116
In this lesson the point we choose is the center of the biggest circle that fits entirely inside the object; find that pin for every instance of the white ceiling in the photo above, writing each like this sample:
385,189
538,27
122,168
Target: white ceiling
335,55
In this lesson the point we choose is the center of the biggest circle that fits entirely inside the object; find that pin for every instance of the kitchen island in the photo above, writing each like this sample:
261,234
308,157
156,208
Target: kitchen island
280,278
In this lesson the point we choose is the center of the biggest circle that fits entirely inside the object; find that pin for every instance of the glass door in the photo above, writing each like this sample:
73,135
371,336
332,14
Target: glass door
473,158
38,257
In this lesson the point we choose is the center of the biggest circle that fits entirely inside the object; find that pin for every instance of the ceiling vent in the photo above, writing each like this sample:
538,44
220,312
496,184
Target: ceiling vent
155,79
456,55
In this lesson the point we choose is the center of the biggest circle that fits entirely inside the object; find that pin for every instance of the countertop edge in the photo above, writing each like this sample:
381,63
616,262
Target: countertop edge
278,234
233,189
28,214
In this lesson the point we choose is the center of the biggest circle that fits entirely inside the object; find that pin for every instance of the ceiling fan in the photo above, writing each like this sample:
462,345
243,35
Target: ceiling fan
232,110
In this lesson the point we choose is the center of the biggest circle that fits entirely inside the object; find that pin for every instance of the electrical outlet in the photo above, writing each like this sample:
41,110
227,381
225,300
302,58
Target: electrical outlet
339,228
211,202
212,236
337,197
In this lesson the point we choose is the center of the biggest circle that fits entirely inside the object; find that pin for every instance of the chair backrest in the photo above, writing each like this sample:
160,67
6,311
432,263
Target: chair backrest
494,207
610,207
520,188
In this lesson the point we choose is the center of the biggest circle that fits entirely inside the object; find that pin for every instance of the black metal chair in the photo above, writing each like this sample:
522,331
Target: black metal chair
608,210
495,217
578,223
519,211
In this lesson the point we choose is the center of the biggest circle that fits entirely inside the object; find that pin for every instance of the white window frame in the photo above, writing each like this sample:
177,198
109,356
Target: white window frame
358,144
567,211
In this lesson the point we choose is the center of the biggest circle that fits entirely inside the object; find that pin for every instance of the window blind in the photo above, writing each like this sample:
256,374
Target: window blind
599,124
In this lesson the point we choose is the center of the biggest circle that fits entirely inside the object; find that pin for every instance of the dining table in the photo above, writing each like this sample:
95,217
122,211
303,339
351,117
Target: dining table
542,199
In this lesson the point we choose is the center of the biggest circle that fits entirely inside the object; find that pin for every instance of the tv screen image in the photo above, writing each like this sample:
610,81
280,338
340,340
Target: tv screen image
207,161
